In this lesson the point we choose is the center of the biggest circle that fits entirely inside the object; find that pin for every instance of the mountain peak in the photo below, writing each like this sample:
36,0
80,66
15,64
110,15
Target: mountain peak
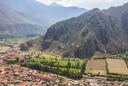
54,4
95,9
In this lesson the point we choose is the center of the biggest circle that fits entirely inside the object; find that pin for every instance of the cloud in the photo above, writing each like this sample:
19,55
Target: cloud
88,4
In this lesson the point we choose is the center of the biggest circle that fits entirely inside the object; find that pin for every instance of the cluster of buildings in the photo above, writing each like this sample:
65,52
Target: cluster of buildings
10,53
15,75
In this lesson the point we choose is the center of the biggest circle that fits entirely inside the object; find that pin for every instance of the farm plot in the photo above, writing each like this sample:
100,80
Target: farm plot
96,67
117,66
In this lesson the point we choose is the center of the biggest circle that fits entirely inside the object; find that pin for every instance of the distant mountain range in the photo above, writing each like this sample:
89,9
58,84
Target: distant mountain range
21,18
105,31
49,14
16,24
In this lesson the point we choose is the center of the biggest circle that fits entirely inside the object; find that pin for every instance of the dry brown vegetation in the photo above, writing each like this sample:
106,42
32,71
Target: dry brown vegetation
96,65
117,66
4,48
99,55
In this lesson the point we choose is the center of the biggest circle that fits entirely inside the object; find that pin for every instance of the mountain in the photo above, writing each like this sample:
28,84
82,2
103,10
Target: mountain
16,24
105,31
49,14
54,4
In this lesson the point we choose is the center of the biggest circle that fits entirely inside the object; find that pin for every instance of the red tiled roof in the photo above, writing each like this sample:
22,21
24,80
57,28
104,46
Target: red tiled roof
2,68
16,65
25,68
23,84
0,80
17,73
3,72
90,80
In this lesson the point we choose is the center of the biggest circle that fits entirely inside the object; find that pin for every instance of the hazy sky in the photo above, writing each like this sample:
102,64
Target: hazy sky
88,4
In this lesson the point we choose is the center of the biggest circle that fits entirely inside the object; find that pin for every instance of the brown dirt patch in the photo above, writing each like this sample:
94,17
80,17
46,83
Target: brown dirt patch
117,66
96,65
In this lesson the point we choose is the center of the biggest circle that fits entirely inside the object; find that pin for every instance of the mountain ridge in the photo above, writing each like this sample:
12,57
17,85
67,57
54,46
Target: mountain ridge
95,30
54,4
45,13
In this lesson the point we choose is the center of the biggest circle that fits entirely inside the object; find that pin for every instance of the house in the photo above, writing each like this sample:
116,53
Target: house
92,82
25,68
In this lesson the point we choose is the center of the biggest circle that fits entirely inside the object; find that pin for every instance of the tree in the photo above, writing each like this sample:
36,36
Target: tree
68,66
57,69
83,67
78,65
120,78
126,55
17,59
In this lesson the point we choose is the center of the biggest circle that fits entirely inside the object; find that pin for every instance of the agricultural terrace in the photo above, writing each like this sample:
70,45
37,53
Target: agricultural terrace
96,67
117,66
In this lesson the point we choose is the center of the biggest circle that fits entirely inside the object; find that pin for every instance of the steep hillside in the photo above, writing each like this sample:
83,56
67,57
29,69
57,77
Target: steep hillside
17,24
96,30
49,14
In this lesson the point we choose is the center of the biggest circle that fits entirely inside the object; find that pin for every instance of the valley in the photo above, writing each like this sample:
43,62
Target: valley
59,45
102,70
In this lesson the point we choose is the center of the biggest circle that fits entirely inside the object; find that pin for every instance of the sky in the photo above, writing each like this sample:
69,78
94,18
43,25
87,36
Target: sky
87,4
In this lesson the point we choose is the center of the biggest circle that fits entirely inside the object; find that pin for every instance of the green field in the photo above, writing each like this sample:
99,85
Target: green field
50,56
16,39
70,67
101,72
62,62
